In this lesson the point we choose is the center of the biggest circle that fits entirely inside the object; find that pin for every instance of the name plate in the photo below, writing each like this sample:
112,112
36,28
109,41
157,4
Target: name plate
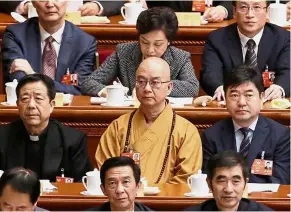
59,100
74,17
189,19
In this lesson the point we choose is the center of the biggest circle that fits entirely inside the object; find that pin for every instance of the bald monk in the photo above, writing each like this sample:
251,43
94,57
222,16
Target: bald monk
152,128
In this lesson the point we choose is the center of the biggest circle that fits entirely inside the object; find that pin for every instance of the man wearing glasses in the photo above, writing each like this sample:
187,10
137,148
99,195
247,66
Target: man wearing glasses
169,146
249,41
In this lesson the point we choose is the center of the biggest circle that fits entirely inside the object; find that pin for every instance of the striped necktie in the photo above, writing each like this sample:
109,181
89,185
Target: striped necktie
251,57
245,144
49,58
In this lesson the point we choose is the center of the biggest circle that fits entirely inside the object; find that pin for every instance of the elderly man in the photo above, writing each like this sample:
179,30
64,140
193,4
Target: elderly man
227,178
19,190
39,143
257,138
93,7
249,41
49,45
169,146
120,181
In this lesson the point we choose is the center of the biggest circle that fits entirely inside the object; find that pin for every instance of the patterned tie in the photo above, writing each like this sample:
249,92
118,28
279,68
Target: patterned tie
245,144
251,57
49,58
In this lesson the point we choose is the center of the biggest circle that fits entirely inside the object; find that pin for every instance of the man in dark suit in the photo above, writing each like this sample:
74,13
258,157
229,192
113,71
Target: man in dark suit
221,9
227,178
233,45
39,143
120,181
50,45
247,132
19,190
107,8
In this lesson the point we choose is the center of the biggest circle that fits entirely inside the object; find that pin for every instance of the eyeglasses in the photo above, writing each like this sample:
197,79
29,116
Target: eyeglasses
155,84
245,8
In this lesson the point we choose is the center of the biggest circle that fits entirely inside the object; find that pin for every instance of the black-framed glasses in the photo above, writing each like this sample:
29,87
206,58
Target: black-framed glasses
246,8
155,84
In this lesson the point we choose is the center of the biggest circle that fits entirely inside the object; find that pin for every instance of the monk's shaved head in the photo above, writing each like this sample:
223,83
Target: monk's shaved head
156,66
154,84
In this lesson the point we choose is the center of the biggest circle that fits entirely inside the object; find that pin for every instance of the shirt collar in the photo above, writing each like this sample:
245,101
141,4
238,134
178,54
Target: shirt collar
252,126
244,39
57,35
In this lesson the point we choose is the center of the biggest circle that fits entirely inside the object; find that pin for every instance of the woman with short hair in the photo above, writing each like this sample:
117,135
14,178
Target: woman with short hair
157,27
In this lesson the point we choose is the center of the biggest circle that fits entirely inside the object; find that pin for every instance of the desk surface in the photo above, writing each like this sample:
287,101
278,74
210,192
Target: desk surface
68,197
81,108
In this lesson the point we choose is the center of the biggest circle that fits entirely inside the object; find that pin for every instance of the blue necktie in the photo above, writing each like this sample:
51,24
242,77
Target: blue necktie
251,57
245,144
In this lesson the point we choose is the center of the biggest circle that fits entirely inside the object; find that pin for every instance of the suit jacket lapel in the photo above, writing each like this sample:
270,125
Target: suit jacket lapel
53,152
265,48
65,52
234,46
34,46
228,137
259,137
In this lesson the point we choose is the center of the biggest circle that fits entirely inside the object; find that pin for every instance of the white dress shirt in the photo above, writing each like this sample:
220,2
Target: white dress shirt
239,136
57,38
244,39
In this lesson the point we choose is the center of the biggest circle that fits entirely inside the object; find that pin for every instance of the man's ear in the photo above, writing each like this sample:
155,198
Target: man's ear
103,189
247,180
209,183
138,186
233,11
170,88
52,104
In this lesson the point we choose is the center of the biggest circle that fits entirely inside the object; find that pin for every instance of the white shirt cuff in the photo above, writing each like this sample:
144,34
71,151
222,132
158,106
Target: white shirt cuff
282,89
100,6
226,12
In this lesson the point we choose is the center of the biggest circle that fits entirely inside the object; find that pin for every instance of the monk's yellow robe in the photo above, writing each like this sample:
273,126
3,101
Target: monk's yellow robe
185,155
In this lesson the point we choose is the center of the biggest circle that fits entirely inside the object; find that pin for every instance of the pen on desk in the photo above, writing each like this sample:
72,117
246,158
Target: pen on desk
117,79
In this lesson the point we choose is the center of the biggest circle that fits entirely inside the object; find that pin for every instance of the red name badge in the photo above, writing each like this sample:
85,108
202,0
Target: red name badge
60,179
262,167
133,155
70,79
198,5
268,78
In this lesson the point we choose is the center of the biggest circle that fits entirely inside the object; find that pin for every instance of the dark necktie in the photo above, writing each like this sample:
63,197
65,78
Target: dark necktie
245,144
251,57
49,58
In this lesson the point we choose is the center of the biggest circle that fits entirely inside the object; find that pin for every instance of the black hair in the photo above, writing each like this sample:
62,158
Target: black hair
227,159
158,18
117,162
23,181
47,81
267,2
243,74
